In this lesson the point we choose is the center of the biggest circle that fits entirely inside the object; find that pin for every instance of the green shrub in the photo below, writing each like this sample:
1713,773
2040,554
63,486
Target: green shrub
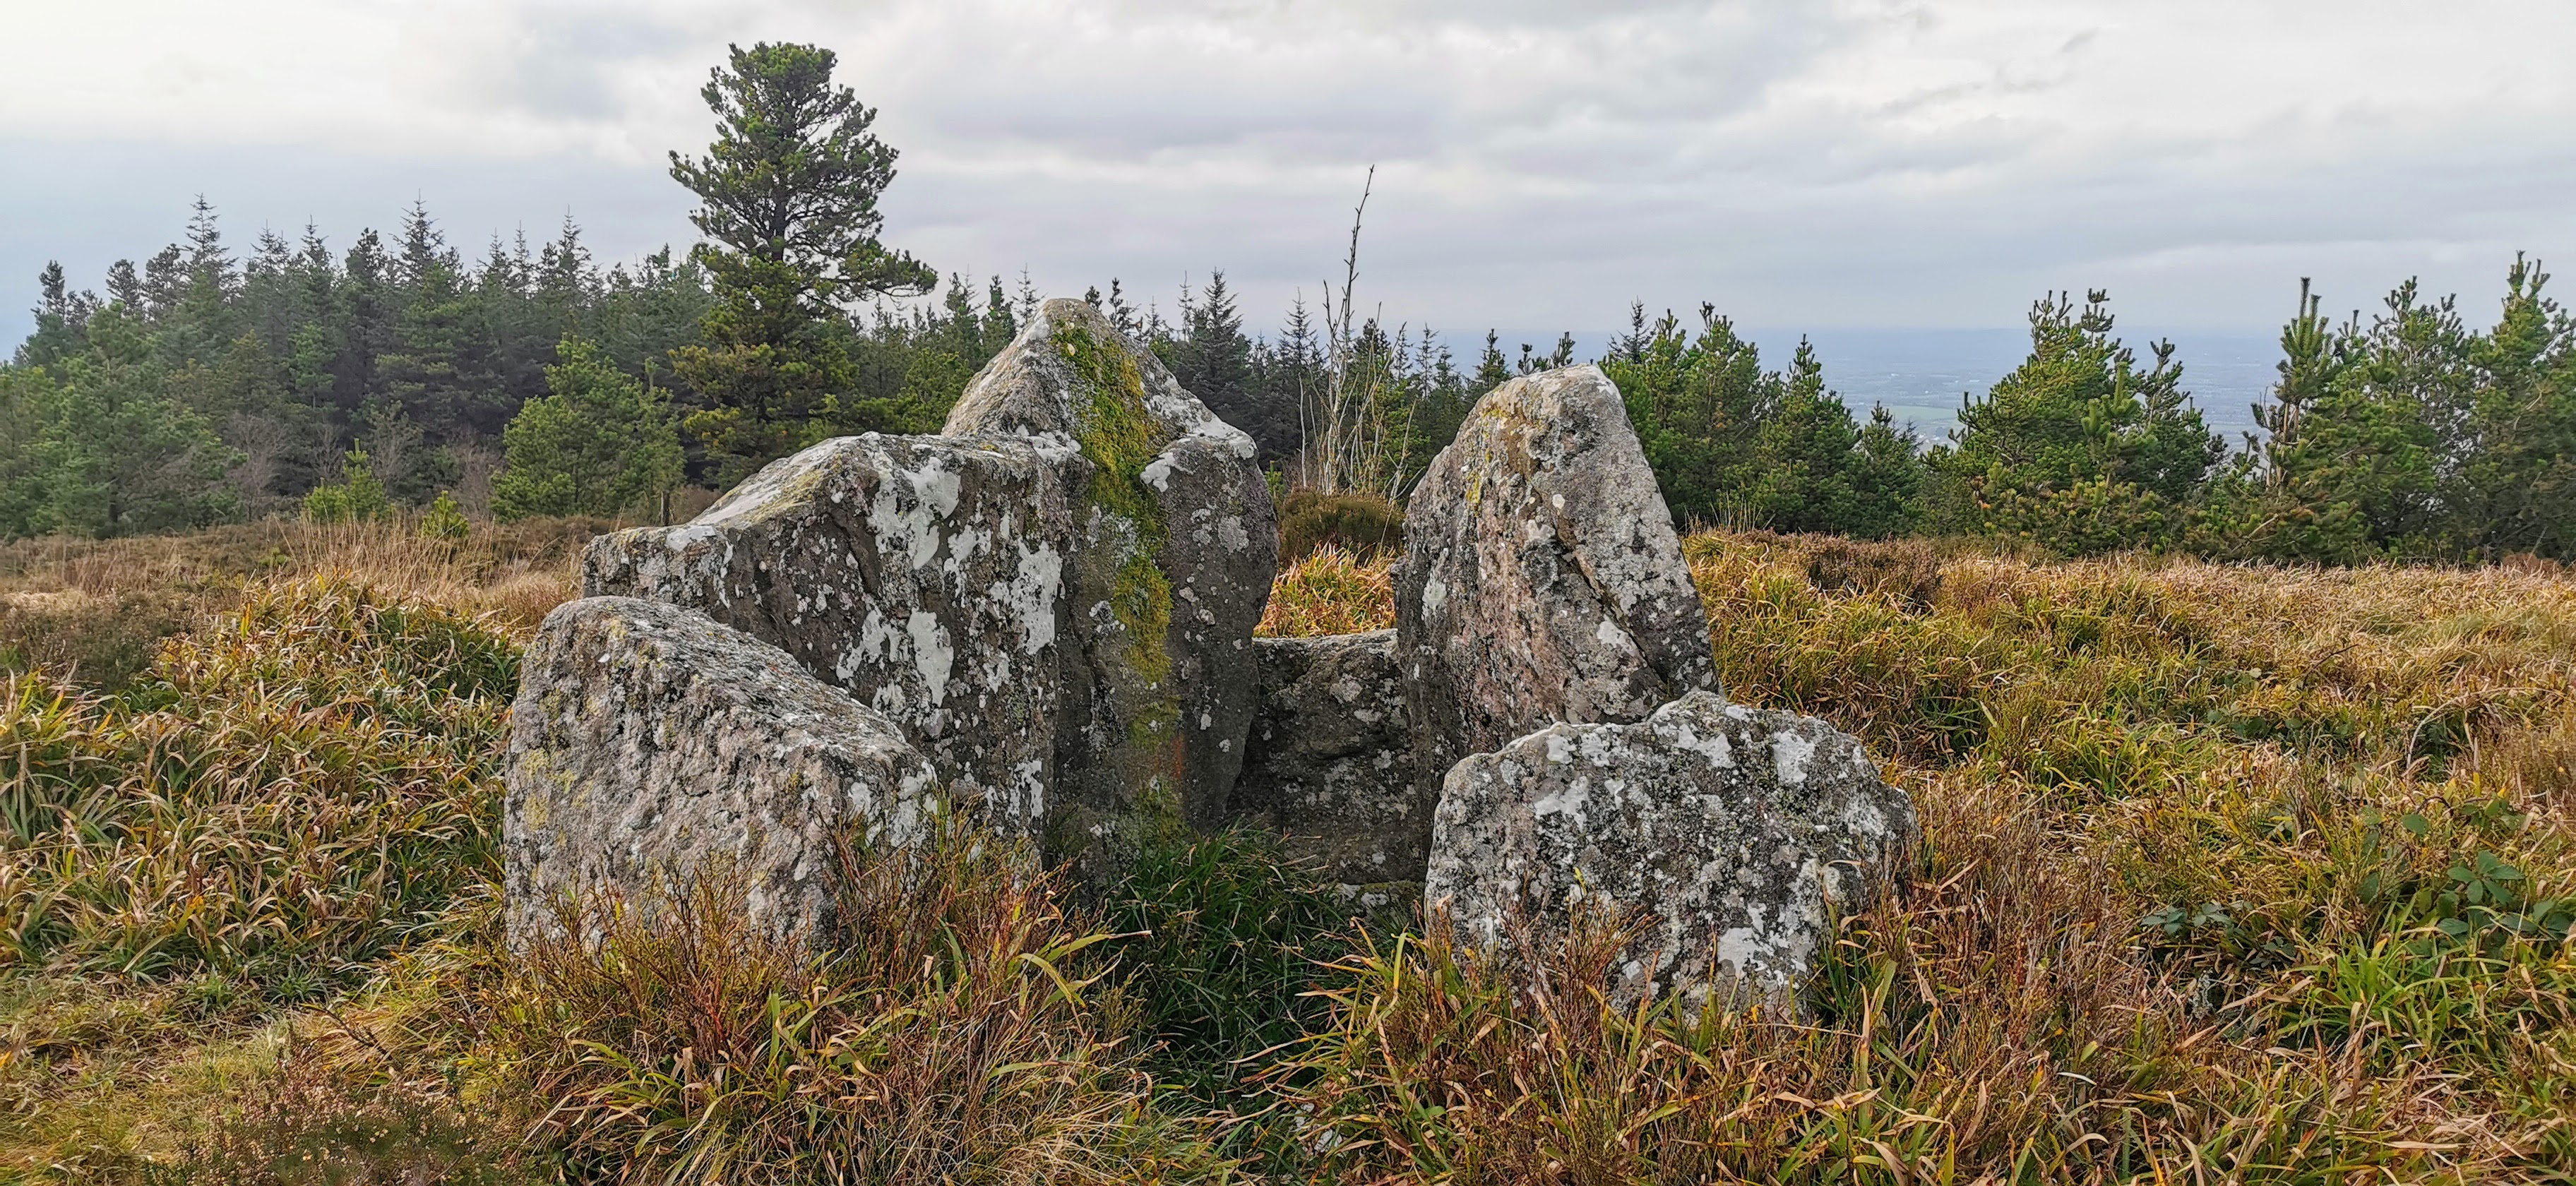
597,443
445,520
356,498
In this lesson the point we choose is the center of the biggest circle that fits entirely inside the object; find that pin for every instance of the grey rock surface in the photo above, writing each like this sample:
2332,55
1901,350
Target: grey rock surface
1734,830
1331,764
1542,580
648,742
1175,543
927,576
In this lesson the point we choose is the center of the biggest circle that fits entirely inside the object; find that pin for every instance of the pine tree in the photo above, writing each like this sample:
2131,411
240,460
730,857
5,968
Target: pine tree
1696,404
367,312
61,317
1213,358
1885,479
999,325
598,443
1731,443
165,281
2080,449
2514,487
2416,436
115,455
1493,370
1291,372
203,316
2344,471
27,396
566,285
437,371
788,195
124,287
1802,447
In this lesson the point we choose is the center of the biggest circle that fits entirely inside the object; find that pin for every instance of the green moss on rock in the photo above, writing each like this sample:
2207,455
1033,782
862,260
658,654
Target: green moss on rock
1120,437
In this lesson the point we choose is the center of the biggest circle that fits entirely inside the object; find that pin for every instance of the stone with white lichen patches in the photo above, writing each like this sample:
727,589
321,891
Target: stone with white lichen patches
1170,569
1542,579
1331,768
648,742
1054,600
924,575
1737,833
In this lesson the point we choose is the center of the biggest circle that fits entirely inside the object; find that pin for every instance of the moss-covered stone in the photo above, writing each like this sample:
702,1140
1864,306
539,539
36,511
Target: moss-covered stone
1119,435
1175,547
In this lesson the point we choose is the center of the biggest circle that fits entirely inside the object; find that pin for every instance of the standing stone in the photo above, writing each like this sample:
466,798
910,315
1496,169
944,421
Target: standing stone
648,741
1175,544
1736,831
1542,580
1331,765
924,575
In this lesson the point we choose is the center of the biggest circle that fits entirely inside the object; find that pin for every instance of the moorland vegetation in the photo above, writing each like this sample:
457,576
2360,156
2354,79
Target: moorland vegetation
2244,775
2232,873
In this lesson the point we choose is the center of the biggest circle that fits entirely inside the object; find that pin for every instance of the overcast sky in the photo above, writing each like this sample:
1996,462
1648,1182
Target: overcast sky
1837,163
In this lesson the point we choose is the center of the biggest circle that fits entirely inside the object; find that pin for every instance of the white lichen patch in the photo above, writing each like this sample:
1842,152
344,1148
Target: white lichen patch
931,653
1790,753
1737,863
923,575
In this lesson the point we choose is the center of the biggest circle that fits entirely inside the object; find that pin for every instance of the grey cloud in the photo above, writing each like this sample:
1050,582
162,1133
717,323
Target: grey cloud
1824,162
561,62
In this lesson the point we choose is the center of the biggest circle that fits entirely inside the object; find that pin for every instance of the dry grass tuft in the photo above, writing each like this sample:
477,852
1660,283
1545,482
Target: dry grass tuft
1330,591
1907,570
949,1036
94,612
1363,524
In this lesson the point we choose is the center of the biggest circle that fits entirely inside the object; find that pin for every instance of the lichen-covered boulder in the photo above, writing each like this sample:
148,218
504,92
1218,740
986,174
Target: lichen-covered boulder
924,575
1331,765
649,743
1175,544
1735,831
1542,580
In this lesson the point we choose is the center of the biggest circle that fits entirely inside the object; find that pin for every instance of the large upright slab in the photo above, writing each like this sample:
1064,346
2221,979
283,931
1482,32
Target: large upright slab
1175,543
649,744
925,575
1736,833
1542,580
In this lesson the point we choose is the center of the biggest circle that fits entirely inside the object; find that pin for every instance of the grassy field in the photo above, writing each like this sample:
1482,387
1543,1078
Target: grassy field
2232,875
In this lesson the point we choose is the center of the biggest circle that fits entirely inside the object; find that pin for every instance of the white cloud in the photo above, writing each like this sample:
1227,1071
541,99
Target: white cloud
1842,162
